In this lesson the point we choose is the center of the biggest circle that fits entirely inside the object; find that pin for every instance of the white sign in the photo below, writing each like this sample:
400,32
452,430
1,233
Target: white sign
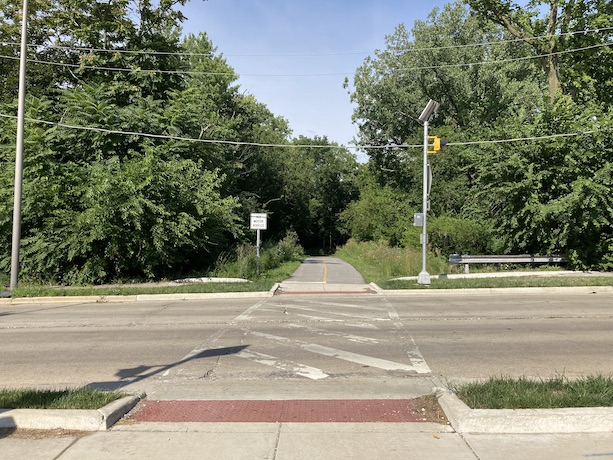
259,221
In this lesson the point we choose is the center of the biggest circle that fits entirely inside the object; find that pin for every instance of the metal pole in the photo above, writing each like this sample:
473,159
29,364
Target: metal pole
424,277
16,241
257,257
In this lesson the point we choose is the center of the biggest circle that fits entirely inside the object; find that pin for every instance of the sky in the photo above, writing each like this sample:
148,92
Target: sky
294,55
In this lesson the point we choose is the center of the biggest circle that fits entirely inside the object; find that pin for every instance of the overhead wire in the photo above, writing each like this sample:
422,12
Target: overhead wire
408,69
349,147
401,50
294,146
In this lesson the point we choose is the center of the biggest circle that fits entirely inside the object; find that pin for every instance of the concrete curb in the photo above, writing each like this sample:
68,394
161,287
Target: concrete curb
139,297
583,290
80,420
515,421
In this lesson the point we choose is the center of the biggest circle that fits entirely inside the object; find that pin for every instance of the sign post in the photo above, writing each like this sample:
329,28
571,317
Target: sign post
258,221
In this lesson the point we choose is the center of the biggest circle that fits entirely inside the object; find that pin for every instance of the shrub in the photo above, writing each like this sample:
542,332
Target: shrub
449,235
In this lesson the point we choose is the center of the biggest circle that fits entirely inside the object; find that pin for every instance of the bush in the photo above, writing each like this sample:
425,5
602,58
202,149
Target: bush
448,235
242,264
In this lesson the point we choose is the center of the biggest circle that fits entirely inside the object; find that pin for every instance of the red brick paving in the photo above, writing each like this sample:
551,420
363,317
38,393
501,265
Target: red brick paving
376,410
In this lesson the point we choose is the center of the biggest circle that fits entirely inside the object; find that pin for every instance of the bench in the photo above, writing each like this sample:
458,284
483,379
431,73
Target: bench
456,259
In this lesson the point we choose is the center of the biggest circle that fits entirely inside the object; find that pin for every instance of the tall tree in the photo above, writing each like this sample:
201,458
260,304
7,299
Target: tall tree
545,25
454,59
318,184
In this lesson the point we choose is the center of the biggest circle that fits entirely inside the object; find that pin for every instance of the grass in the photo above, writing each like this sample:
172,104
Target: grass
263,283
525,393
378,262
521,281
79,398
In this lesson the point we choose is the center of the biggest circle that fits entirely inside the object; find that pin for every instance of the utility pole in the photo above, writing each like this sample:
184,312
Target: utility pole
16,241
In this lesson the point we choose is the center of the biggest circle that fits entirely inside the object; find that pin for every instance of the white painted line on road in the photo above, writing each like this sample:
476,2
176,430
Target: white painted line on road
247,314
391,311
336,304
350,315
419,363
358,358
301,369
321,319
345,355
350,337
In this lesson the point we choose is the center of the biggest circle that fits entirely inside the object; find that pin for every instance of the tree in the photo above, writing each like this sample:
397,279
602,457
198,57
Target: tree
548,34
318,184
553,196
99,204
379,214
448,61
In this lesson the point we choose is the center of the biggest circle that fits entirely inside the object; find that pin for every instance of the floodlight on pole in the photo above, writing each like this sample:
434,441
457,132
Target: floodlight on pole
426,115
16,238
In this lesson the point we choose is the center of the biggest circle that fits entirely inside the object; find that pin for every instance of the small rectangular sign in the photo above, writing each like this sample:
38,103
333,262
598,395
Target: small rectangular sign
259,221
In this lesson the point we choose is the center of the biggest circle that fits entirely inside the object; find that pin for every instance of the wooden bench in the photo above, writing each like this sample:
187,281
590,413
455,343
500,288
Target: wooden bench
456,259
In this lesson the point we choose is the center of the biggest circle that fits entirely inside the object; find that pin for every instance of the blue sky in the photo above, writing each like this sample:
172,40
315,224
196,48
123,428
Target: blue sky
277,45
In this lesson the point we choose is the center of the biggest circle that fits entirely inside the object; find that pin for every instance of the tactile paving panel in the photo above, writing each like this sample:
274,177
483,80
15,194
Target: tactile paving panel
303,411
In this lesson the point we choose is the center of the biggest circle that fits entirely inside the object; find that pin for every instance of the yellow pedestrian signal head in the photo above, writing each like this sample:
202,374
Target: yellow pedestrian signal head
435,143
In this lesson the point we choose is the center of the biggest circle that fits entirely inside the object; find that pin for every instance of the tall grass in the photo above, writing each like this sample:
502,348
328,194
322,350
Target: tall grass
242,263
377,261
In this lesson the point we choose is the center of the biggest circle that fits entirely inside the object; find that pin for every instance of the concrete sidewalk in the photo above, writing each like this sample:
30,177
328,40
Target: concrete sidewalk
291,441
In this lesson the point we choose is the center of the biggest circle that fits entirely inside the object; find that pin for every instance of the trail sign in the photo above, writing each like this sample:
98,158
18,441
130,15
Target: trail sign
259,221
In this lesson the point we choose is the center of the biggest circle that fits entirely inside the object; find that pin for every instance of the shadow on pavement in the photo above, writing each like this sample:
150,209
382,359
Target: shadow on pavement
140,373
6,426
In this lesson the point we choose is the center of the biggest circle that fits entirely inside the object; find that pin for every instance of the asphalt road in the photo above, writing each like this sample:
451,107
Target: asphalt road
284,345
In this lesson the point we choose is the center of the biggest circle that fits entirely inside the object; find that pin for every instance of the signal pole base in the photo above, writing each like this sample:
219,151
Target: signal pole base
423,278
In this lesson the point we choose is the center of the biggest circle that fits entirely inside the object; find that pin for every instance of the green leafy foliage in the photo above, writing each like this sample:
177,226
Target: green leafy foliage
380,213
492,69
318,185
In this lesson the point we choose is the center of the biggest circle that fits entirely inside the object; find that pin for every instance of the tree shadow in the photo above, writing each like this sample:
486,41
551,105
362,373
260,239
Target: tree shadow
132,375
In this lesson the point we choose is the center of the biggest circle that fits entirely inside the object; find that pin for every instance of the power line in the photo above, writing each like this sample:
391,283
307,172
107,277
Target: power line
293,146
409,69
340,53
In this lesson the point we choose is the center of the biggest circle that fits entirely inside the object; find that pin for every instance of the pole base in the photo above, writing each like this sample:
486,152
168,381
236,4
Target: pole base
423,278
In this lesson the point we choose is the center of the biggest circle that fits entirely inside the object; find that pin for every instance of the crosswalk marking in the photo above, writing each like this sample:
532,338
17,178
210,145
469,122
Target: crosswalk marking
247,313
337,320
301,369
350,315
350,337
337,304
345,355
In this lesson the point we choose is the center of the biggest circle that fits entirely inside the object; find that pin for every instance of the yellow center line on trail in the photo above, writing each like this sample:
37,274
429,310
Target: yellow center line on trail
325,273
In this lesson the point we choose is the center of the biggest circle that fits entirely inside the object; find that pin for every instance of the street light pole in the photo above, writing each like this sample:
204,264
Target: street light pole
429,110
424,276
16,241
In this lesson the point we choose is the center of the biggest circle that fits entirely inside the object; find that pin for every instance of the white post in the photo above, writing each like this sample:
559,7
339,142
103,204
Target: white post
16,241
424,277
257,256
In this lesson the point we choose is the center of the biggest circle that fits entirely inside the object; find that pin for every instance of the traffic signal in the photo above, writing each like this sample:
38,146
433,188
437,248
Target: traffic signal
435,143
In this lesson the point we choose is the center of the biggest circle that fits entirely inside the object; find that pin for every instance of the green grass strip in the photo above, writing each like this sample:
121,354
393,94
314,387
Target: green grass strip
525,393
262,284
79,398
509,282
